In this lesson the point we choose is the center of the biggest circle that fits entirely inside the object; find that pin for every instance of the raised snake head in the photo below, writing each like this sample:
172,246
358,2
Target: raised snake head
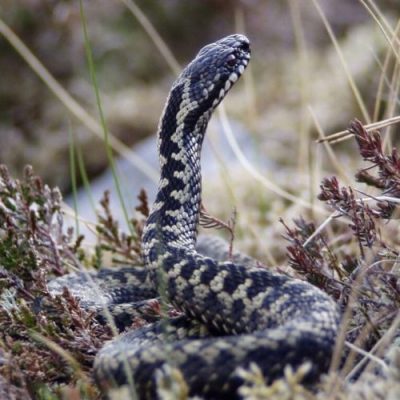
215,69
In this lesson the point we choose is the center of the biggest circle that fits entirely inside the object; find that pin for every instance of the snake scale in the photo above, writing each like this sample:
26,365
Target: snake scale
234,313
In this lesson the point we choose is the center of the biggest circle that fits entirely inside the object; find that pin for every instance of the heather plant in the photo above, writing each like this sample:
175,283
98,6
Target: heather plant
124,247
47,342
356,262
44,339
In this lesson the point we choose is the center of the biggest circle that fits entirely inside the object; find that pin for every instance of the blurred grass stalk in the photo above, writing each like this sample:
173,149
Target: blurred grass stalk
71,104
156,38
106,136
353,86
392,55
72,172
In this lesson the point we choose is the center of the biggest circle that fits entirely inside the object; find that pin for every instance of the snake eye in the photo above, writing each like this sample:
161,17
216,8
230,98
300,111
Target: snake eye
231,61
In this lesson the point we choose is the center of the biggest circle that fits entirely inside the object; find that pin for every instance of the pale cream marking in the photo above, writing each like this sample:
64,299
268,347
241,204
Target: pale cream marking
217,284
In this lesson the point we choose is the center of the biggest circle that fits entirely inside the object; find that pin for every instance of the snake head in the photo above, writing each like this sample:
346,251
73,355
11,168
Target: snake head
215,69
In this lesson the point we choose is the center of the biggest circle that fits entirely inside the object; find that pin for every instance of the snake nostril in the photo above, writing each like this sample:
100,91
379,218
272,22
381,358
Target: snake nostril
245,46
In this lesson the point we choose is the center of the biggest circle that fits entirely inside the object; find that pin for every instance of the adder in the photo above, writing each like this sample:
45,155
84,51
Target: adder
234,313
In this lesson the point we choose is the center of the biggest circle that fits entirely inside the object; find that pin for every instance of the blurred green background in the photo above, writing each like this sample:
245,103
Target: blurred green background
294,66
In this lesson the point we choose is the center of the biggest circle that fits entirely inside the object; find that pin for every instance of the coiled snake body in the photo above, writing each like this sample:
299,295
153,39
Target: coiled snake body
234,314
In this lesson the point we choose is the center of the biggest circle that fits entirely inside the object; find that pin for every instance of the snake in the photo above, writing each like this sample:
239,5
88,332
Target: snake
233,313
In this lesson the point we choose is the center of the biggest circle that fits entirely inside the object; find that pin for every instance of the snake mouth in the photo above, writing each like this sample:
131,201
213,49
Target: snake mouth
239,58
233,77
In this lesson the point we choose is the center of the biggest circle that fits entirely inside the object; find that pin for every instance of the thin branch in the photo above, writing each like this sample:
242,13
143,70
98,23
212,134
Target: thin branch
346,134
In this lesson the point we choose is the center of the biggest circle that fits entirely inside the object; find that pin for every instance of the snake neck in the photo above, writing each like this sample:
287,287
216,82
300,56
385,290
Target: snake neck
175,214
